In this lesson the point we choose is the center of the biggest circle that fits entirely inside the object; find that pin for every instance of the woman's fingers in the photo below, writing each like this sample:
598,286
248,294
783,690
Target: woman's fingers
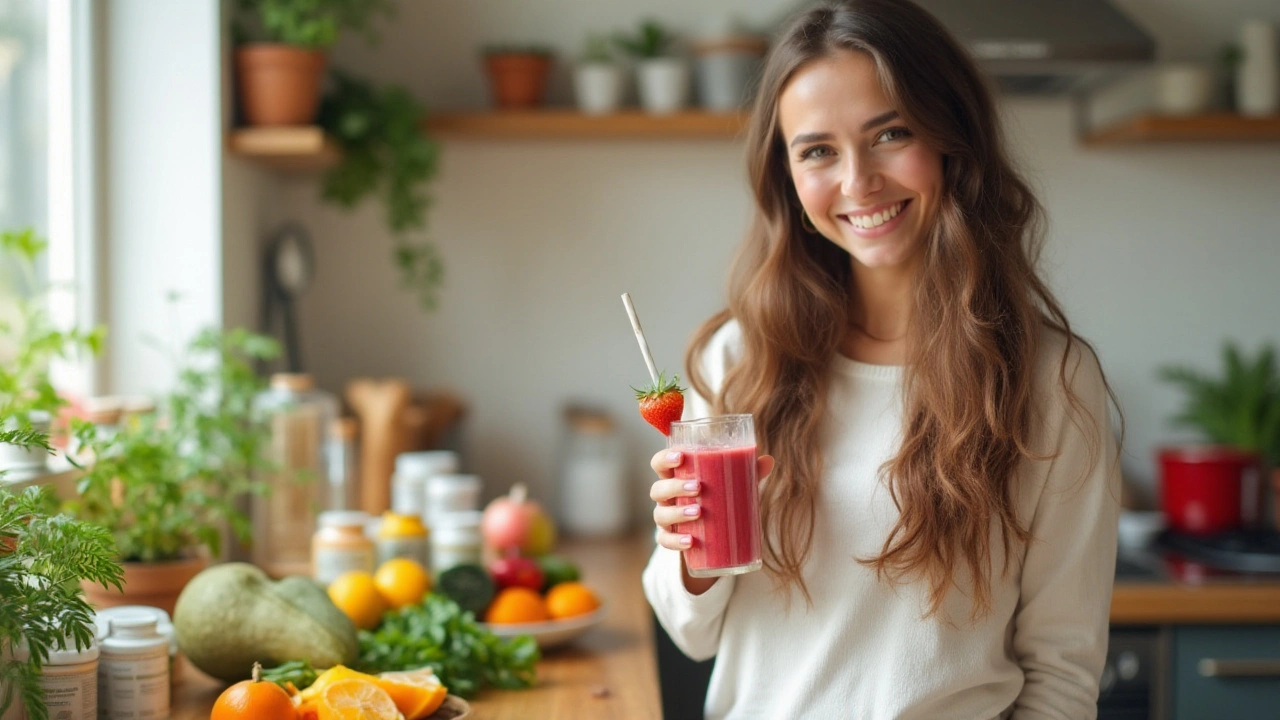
664,516
664,492
665,462
673,541
764,466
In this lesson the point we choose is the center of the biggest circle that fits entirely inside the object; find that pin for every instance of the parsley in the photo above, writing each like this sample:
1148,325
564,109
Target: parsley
436,633
42,559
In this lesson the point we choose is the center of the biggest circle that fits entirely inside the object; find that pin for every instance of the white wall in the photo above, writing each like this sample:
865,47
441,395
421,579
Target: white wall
162,170
1157,253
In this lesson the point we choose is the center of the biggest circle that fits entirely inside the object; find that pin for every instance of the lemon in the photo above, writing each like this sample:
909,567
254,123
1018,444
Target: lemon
356,594
402,582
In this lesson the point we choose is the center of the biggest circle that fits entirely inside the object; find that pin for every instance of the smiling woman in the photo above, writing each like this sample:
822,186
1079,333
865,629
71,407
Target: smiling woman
940,523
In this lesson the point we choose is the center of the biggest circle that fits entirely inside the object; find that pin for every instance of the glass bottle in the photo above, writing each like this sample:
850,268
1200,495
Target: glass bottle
300,419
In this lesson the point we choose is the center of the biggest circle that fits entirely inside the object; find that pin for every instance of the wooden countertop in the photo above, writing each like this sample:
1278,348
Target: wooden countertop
610,672
607,673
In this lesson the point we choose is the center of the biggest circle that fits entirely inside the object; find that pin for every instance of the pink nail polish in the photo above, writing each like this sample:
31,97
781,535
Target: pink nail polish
686,540
691,485
691,510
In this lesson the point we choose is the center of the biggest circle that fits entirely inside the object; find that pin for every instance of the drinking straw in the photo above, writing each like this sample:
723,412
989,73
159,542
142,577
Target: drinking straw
644,344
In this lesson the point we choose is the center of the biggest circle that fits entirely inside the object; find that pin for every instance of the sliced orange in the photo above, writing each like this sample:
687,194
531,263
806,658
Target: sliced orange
356,700
417,693
329,677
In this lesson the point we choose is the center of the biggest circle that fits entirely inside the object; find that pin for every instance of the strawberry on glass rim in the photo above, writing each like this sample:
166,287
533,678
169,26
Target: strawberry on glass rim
661,402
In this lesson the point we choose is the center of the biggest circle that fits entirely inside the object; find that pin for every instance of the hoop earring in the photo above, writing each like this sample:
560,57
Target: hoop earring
806,223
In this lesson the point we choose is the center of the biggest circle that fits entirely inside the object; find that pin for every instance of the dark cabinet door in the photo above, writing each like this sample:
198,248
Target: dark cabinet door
1226,671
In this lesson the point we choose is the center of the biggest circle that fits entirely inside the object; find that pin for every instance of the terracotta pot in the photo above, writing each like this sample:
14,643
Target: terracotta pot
518,80
279,84
155,584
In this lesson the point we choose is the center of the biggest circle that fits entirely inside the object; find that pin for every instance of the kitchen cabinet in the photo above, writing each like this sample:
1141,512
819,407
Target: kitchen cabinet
1225,671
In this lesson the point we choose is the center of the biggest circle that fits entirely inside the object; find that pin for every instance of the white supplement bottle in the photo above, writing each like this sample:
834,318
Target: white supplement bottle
133,670
69,679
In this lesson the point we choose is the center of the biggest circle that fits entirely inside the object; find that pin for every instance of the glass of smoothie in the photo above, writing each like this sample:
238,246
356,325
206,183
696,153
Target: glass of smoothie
720,453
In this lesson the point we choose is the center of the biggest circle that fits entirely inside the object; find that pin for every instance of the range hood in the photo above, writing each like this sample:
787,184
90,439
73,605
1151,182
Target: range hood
1046,47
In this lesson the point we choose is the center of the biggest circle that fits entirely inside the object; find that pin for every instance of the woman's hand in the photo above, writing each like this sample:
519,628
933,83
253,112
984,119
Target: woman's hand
666,492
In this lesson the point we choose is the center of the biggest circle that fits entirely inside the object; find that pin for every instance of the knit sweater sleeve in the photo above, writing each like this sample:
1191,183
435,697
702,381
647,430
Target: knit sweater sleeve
693,621
1060,628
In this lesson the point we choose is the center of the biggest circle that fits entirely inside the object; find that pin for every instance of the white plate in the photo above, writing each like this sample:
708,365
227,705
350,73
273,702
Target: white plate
551,633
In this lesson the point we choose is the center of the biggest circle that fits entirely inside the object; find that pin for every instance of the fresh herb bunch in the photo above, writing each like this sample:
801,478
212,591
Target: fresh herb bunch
1241,408
42,559
26,394
436,633
313,23
652,40
385,151
164,484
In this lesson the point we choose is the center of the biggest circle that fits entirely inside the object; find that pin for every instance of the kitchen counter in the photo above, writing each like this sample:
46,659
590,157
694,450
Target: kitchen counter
1158,589
609,672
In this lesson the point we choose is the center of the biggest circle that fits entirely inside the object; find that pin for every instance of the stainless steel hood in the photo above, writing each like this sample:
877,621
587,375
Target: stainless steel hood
1046,47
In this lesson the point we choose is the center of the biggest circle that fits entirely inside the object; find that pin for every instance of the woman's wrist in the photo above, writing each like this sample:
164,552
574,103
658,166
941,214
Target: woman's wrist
695,586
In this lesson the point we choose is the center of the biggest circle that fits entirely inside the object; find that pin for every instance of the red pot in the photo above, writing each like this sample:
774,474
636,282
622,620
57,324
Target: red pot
1200,487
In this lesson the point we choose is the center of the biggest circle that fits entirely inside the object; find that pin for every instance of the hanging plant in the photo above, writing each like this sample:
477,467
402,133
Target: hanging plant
385,152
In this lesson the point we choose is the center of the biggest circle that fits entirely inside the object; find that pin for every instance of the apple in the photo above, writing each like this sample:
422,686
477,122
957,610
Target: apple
515,522
516,571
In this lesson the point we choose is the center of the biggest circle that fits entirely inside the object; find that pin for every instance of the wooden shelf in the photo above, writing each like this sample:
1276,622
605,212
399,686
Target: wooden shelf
291,149
306,148
571,124
1223,127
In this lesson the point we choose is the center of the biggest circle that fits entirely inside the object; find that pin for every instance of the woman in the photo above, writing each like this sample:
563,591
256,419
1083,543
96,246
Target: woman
940,519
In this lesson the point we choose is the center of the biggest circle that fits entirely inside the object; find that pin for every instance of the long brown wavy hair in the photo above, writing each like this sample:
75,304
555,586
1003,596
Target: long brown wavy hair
980,312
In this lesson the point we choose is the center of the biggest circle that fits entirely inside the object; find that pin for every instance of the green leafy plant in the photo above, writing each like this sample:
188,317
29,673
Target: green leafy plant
651,40
386,152
30,341
597,50
436,633
311,23
42,559
1240,408
165,483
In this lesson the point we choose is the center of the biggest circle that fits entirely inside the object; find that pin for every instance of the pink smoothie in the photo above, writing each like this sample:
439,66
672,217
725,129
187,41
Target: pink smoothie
727,533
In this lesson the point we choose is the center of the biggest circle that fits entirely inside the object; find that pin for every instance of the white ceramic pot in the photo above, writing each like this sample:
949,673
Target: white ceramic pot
663,85
598,87
1258,75
727,71
1185,89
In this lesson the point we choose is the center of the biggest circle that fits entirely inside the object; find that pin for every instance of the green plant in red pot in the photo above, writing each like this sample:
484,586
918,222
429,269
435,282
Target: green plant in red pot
165,485
280,54
1238,414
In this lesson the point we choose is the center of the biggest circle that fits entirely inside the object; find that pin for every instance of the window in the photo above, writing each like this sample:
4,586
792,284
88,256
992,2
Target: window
46,166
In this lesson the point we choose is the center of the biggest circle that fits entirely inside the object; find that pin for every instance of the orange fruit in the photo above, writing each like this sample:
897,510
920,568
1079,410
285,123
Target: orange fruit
570,599
356,700
254,700
402,582
329,677
417,693
356,594
516,605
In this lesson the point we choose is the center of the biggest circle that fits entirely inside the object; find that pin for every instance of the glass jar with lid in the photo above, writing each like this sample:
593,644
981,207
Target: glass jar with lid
300,418
340,545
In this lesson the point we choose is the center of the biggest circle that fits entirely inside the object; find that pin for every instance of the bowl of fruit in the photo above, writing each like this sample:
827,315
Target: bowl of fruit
526,589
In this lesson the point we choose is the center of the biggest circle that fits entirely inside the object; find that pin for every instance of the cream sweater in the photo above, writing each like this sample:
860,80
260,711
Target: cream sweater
864,649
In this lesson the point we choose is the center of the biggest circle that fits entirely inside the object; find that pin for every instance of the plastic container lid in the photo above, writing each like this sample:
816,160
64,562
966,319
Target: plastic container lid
344,519
395,525
163,622
427,462
450,483
134,633
66,656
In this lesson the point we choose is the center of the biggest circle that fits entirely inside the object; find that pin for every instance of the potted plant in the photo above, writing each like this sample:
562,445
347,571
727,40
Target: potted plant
166,484
280,71
42,558
29,341
662,77
386,152
517,75
1238,413
598,78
